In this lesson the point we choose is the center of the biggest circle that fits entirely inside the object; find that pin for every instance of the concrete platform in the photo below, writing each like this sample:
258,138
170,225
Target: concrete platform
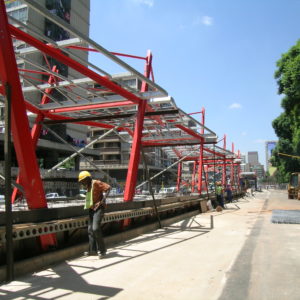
245,256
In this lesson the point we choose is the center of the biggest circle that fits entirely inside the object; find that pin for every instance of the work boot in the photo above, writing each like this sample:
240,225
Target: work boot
101,255
89,253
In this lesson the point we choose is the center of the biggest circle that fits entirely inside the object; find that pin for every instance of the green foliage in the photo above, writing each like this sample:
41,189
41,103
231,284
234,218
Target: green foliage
287,125
70,164
283,126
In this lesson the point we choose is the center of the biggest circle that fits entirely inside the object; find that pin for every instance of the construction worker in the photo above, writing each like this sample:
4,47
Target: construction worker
228,192
95,202
219,194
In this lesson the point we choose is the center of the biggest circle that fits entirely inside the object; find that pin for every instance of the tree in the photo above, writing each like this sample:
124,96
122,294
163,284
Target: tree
287,125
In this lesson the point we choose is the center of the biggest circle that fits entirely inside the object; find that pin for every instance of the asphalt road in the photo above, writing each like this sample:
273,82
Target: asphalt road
268,265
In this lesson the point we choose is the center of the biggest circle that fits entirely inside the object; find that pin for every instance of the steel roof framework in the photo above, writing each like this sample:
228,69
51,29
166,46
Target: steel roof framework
145,118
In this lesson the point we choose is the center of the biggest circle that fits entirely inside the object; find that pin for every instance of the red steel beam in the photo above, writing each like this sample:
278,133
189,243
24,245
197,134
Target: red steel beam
214,152
90,106
154,144
207,159
190,132
170,140
23,144
36,72
129,55
57,54
37,127
114,53
35,110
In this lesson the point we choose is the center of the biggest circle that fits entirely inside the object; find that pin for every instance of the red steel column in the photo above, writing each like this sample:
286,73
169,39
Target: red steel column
232,167
224,164
37,127
193,176
206,177
200,168
147,71
133,165
239,170
203,119
179,172
26,157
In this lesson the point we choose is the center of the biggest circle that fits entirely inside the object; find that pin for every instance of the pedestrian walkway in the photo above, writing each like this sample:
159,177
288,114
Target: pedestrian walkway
187,260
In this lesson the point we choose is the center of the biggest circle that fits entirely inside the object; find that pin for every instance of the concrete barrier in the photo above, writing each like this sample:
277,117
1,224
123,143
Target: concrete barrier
46,260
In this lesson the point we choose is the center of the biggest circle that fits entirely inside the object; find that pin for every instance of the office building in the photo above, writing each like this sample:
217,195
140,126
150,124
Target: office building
259,170
254,165
253,158
76,13
50,150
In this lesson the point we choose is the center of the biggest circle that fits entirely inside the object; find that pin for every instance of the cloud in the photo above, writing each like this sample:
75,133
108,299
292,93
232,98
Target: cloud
244,133
203,20
197,21
259,141
148,3
235,106
207,21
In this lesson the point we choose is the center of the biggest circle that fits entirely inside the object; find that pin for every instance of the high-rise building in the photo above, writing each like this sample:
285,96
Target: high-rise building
77,14
243,163
253,158
50,150
254,164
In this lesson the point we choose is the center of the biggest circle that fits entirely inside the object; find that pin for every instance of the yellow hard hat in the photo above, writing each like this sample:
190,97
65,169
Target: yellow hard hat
84,174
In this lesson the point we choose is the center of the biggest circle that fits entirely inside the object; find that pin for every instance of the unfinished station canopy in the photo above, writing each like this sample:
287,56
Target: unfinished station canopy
64,87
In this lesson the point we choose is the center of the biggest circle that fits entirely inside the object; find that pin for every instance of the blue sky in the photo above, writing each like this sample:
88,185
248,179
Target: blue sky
216,54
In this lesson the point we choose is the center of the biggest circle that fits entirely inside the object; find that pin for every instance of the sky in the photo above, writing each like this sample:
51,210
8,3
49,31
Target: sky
216,54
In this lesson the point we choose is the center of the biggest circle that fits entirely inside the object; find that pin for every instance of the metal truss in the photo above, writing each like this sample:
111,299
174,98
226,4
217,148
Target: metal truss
143,116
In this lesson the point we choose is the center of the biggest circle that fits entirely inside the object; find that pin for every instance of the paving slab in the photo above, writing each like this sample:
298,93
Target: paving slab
244,256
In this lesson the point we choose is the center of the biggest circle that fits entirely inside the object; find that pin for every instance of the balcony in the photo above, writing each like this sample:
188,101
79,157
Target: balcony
109,150
105,164
107,138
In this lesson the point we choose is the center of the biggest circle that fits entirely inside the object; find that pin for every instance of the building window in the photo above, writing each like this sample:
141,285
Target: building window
20,14
130,82
12,3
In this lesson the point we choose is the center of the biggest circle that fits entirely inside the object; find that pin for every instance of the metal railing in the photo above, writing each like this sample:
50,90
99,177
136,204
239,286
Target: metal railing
25,231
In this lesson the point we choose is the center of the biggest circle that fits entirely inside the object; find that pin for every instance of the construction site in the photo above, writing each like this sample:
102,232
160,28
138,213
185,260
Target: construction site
63,114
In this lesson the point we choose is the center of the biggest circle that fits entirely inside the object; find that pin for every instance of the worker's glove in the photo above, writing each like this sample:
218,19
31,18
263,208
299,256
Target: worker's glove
103,201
